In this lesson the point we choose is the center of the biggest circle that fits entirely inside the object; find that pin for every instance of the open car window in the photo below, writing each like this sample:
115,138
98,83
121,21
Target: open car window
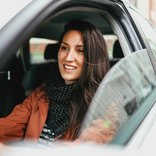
124,97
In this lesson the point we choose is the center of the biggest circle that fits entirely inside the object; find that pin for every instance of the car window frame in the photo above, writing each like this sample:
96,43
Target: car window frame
143,36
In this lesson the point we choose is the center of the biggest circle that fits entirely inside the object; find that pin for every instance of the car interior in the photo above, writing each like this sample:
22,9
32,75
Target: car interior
36,71
38,56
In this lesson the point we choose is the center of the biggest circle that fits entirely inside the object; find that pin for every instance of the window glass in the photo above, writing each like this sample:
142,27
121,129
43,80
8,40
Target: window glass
37,48
110,40
124,90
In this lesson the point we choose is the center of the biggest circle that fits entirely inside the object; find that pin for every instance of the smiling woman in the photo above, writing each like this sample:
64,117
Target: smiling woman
71,56
56,109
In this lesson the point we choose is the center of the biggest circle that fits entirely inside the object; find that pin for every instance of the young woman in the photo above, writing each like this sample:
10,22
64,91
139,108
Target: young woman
56,109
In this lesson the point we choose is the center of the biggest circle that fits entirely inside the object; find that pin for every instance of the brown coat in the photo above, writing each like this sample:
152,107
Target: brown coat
27,119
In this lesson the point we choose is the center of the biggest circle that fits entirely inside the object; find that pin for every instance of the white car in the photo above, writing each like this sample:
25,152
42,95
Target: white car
27,33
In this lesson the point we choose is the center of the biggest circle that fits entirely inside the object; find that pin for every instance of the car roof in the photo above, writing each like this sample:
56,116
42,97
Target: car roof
55,26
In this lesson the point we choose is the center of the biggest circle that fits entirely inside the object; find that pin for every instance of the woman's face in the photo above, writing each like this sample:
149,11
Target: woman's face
71,56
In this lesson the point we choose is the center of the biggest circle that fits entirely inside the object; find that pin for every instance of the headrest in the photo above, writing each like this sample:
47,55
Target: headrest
117,51
51,51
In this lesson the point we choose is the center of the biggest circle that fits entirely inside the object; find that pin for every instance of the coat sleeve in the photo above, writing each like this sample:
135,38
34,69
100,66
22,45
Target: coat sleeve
13,127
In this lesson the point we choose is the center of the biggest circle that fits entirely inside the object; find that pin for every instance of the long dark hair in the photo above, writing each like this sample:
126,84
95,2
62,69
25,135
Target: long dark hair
95,67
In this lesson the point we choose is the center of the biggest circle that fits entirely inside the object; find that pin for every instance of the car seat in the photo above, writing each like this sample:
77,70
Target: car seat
11,89
37,74
117,53
51,52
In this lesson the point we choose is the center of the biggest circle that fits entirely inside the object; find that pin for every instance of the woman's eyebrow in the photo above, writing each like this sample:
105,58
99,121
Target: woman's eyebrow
65,43
68,44
79,45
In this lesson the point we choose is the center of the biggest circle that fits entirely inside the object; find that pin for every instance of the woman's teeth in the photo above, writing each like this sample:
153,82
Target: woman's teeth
69,67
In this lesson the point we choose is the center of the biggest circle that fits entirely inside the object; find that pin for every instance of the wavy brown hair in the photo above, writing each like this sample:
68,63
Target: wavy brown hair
95,68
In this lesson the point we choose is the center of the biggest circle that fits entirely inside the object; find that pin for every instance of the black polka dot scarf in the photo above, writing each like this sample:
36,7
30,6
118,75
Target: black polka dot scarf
58,94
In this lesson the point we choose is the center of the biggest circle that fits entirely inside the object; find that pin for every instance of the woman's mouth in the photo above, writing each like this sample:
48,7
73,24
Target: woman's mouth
69,67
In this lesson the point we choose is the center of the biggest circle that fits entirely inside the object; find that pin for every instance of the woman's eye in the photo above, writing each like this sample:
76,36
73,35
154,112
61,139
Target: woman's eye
80,50
64,48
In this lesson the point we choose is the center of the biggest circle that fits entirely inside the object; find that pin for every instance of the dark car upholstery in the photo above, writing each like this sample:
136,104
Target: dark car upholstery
117,54
117,51
38,73
11,89
51,51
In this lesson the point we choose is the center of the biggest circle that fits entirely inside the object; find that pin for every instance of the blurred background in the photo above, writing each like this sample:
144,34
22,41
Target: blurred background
146,8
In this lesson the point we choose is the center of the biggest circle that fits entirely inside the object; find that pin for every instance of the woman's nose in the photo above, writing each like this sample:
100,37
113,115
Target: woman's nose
70,55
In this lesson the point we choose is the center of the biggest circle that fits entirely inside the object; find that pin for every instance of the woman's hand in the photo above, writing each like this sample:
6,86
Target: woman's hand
100,131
